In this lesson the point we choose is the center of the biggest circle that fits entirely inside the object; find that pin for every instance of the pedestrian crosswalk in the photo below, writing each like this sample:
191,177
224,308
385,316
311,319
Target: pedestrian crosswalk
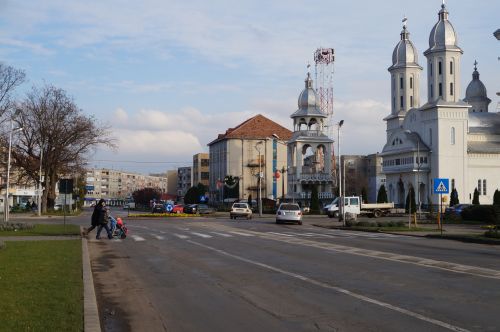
186,233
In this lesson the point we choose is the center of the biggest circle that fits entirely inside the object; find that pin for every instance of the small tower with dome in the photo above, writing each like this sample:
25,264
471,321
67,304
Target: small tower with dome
476,95
309,150
405,81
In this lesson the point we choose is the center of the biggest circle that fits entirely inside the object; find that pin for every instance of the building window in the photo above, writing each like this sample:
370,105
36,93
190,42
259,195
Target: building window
439,68
451,89
430,68
432,92
411,101
411,82
440,89
400,82
451,67
484,187
479,186
452,138
401,101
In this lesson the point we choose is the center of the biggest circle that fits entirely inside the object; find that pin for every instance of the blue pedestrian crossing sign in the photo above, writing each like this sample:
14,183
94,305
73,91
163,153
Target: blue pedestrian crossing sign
169,207
441,186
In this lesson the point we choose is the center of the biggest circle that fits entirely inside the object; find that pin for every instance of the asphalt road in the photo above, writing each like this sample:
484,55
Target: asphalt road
207,274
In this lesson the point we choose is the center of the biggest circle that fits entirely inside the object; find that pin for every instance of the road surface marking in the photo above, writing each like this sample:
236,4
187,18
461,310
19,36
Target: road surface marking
180,236
158,237
280,234
138,238
337,289
206,236
222,234
240,233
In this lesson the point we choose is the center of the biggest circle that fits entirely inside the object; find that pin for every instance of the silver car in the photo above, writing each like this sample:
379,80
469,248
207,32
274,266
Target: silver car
289,212
240,210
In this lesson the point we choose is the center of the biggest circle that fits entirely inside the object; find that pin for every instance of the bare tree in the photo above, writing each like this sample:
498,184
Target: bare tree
10,78
54,124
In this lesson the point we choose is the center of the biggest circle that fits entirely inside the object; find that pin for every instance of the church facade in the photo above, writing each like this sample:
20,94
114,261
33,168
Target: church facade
447,137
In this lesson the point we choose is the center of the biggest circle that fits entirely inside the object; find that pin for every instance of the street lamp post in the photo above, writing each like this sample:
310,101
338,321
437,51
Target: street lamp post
40,183
283,169
341,200
257,147
6,204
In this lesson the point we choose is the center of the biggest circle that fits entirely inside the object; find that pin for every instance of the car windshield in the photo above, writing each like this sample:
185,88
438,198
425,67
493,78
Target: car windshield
290,207
240,205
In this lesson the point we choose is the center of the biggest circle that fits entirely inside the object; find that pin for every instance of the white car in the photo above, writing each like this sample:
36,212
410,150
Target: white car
289,212
240,210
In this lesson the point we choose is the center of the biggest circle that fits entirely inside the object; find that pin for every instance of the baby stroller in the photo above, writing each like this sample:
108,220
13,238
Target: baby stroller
118,228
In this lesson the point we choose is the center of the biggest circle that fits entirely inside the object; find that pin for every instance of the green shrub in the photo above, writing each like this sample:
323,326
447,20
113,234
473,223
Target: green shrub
365,224
2,245
381,224
400,223
483,213
492,233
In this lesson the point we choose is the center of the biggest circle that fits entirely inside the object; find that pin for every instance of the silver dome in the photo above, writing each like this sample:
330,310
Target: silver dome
443,35
475,88
307,97
404,53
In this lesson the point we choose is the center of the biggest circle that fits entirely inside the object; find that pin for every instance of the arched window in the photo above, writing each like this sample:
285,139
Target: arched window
451,67
401,101
432,92
430,68
411,82
411,101
452,133
439,68
400,82
451,89
440,89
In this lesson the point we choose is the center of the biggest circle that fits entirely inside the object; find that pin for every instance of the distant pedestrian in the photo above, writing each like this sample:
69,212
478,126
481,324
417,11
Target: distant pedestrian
99,210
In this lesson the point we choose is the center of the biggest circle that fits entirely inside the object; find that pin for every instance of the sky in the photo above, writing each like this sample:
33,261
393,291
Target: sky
169,76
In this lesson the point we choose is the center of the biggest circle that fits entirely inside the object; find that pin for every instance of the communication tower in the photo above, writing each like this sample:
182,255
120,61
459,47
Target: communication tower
323,59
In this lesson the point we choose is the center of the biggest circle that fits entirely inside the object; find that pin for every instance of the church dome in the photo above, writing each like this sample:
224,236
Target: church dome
307,97
405,52
475,88
443,35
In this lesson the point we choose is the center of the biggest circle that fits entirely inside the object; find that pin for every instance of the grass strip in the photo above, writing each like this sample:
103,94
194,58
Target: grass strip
45,230
41,286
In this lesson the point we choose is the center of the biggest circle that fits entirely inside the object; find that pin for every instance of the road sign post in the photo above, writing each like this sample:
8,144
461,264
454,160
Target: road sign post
441,186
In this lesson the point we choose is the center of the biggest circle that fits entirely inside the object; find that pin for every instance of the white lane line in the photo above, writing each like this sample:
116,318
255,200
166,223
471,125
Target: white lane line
338,289
180,236
206,236
281,234
241,233
158,237
138,238
222,234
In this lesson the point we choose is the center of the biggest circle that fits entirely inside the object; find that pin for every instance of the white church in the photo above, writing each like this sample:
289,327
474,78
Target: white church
447,137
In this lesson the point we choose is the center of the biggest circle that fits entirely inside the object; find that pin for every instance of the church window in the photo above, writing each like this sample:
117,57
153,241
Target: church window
439,68
432,92
401,101
411,82
451,67
393,102
484,187
440,89
400,82
430,67
451,89
411,101
452,135
430,136
479,186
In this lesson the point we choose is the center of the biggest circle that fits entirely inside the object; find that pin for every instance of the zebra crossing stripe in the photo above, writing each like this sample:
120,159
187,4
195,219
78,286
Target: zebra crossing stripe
159,237
280,234
222,234
180,236
138,238
240,233
206,236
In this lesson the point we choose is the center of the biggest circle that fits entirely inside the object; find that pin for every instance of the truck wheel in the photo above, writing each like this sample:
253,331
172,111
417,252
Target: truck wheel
377,213
336,214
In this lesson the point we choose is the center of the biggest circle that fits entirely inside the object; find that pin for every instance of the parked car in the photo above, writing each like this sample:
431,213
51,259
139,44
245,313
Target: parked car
178,208
456,209
240,210
159,208
289,212
191,208
205,209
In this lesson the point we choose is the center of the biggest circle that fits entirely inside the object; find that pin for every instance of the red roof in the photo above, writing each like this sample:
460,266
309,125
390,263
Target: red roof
257,127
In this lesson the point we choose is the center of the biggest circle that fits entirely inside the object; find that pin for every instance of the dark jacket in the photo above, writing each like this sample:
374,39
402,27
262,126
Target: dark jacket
99,215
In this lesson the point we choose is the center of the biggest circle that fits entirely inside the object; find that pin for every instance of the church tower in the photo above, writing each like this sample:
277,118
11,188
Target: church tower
476,94
309,150
443,61
405,81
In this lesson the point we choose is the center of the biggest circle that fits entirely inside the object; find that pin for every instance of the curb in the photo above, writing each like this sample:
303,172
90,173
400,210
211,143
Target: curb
91,321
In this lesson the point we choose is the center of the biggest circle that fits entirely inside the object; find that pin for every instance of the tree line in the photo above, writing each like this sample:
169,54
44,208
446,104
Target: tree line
57,137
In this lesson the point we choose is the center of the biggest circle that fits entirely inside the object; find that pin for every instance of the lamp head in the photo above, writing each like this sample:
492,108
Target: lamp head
341,123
